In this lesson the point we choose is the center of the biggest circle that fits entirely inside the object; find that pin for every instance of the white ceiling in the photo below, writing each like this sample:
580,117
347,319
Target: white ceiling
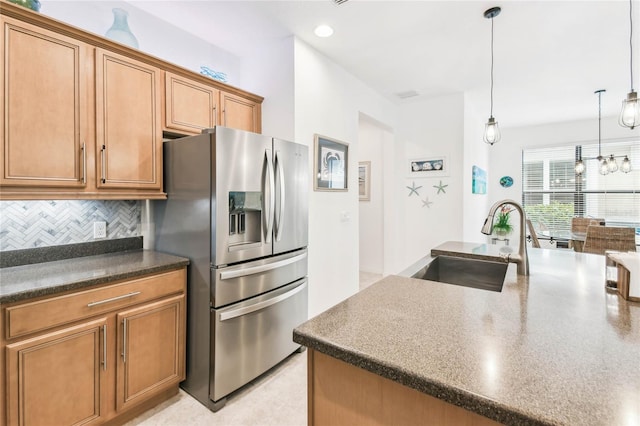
550,56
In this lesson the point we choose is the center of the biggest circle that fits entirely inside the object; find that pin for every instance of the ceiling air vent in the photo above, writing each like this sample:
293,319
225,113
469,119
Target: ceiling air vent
407,94
340,1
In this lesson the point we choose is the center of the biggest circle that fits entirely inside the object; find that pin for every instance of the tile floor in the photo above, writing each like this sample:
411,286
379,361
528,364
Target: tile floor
278,398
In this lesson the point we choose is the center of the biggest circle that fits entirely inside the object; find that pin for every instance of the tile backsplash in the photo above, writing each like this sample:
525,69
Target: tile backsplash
30,224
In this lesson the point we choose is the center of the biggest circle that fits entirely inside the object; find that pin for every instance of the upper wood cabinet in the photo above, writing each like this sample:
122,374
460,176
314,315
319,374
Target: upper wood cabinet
240,113
44,96
191,106
128,130
82,116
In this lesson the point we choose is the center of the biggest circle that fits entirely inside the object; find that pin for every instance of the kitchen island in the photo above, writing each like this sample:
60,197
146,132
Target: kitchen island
554,347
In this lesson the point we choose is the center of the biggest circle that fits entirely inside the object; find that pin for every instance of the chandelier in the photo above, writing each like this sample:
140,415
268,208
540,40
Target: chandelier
608,164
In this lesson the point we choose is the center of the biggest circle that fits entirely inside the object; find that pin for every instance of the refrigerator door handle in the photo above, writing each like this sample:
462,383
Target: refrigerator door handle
268,202
260,305
225,275
279,218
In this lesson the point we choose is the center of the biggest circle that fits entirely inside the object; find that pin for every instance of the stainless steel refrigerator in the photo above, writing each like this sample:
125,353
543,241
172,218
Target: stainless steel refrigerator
237,208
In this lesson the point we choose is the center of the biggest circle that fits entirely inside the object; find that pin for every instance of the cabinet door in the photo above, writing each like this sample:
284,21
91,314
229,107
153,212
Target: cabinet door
189,106
240,113
58,378
128,126
43,108
151,341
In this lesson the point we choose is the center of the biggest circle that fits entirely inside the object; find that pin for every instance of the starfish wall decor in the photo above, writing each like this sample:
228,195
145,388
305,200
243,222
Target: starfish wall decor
413,189
441,188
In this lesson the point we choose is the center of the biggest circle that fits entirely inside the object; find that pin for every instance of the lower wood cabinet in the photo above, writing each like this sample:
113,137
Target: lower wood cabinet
151,351
58,378
95,369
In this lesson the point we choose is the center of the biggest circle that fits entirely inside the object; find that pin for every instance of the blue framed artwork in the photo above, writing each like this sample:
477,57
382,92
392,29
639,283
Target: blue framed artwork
478,180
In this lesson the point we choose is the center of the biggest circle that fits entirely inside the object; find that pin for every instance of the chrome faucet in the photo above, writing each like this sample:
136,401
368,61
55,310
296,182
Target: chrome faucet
521,259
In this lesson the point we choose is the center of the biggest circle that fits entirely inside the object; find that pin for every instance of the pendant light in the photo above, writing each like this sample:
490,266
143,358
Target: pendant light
491,129
603,162
630,113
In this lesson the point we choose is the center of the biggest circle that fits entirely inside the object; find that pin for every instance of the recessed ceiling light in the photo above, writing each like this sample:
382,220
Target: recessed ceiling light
323,31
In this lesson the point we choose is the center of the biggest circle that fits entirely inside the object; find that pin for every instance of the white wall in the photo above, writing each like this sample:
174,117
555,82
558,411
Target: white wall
328,101
476,153
426,128
155,36
268,70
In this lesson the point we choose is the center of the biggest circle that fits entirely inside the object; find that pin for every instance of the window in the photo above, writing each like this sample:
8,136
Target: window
552,193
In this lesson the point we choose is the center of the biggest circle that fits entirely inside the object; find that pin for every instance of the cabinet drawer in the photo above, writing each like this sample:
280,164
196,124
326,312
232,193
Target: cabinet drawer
43,314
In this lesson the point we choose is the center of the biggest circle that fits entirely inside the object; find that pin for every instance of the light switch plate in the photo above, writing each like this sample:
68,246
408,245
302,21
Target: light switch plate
100,229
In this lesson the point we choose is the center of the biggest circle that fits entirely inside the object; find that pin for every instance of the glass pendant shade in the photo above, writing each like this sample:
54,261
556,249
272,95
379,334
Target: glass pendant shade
579,167
612,164
603,166
630,113
625,167
491,131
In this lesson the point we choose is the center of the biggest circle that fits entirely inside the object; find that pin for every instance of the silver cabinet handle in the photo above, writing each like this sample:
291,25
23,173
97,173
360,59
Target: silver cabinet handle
113,299
279,220
261,305
104,347
84,163
270,202
225,275
104,164
124,340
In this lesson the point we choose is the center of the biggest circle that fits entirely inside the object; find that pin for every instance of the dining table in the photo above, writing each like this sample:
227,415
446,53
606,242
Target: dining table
572,239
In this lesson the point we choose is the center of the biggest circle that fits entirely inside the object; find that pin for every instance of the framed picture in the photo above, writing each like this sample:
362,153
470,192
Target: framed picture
330,165
364,180
478,180
428,167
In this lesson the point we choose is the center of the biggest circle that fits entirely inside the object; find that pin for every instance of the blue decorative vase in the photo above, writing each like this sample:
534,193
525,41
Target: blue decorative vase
120,31
29,4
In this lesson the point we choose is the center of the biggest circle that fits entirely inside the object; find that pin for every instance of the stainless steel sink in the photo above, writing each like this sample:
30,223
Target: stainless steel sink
473,273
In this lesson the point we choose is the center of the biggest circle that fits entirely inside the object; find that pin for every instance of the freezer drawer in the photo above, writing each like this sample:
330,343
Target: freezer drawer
252,336
235,283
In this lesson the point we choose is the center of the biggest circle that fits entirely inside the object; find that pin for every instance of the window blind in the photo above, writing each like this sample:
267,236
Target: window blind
552,193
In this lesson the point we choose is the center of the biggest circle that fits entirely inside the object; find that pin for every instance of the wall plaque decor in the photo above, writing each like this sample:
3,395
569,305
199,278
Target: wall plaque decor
330,166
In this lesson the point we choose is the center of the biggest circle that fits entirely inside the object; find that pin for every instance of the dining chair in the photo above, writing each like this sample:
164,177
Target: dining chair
579,224
534,237
601,238
579,229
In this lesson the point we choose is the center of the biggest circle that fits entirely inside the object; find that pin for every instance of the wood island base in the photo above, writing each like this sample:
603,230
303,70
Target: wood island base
340,393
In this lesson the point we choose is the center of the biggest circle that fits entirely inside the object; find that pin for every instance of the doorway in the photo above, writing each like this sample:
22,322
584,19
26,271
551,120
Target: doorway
375,154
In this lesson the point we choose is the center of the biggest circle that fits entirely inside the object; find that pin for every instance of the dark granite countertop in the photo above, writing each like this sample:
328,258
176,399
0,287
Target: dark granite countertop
551,348
41,279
